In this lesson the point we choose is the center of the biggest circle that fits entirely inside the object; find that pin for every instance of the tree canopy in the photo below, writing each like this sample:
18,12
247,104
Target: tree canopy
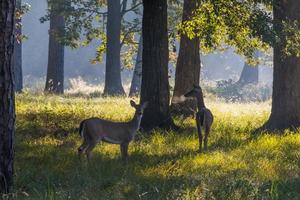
244,25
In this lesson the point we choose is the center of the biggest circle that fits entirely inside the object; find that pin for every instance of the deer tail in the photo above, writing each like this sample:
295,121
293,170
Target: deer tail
81,128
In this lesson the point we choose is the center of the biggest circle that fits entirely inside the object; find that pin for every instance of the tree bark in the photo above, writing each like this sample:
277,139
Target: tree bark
155,83
135,87
17,61
55,70
113,81
285,113
187,67
7,103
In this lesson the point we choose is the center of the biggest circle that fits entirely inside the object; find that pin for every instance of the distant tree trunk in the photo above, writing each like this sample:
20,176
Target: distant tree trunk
249,75
55,71
113,81
286,84
17,60
155,83
137,74
187,67
7,103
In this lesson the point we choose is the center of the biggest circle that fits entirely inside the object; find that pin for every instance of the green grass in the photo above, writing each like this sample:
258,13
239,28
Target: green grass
163,165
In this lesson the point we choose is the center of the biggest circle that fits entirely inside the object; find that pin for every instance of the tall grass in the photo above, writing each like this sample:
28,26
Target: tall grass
162,165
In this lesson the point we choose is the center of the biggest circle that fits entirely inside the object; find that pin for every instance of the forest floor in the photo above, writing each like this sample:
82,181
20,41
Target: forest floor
163,165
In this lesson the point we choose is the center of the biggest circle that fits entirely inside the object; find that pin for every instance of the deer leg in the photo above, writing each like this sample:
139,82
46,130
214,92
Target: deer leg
89,149
82,148
207,130
124,152
199,134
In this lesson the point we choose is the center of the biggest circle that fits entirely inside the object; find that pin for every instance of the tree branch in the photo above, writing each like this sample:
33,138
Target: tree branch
124,7
130,9
131,30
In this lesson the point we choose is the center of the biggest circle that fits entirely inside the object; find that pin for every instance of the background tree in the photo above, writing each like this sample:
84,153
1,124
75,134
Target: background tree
7,103
113,81
174,13
155,83
135,86
188,65
249,75
88,20
18,48
55,69
286,86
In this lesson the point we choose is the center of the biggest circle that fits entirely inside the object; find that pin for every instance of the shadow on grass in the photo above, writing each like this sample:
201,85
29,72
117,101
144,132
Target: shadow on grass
38,125
42,169
225,141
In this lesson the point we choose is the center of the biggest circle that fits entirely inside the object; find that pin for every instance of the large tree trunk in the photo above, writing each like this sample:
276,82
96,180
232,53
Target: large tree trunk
7,103
17,60
113,81
155,83
55,71
135,87
286,84
187,67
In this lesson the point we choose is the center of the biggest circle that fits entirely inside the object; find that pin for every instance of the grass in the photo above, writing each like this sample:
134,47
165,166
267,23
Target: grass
163,165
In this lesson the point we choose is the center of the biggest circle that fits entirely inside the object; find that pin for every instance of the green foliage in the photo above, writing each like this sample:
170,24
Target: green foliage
129,43
101,49
21,10
82,18
163,165
175,8
85,21
292,38
244,25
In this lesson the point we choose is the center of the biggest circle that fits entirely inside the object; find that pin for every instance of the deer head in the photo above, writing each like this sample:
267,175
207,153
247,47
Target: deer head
139,109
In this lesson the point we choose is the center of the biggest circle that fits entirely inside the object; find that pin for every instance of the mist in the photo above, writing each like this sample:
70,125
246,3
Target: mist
216,66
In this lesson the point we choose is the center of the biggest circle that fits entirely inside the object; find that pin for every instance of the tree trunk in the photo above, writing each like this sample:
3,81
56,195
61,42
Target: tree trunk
187,67
155,83
113,81
249,74
17,60
55,71
7,103
286,84
137,74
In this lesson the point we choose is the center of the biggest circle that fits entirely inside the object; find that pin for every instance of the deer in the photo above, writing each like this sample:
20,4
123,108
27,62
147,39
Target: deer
95,130
204,117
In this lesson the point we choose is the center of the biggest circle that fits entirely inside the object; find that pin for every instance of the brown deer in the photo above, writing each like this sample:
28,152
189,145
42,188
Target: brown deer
204,117
94,130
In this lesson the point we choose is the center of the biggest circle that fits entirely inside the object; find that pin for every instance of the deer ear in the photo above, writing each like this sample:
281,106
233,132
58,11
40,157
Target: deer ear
132,103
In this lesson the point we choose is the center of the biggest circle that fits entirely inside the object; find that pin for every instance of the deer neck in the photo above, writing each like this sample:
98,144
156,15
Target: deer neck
200,101
136,122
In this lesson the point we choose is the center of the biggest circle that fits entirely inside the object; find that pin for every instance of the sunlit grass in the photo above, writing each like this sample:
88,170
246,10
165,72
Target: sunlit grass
163,165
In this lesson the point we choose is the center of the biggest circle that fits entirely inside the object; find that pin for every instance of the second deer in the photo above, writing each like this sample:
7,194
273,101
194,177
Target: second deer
204,117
